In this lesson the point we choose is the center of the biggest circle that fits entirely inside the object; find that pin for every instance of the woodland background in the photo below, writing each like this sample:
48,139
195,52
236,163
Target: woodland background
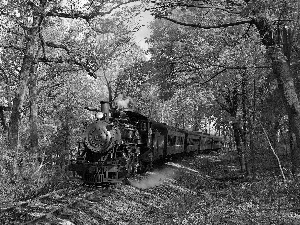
229,65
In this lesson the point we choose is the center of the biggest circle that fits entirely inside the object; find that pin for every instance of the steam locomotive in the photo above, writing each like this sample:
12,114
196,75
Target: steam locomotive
121,143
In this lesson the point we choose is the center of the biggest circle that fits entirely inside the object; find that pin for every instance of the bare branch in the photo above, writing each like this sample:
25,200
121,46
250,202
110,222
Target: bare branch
207,7
224,25
71,60
213,76
49,88
55,45
194,80
12,47
81,65
241,67
58,12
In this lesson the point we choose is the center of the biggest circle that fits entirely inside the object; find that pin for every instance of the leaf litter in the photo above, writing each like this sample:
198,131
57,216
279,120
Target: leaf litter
181,192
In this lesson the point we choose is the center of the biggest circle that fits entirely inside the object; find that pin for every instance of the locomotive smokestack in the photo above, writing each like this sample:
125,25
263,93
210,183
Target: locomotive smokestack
105,109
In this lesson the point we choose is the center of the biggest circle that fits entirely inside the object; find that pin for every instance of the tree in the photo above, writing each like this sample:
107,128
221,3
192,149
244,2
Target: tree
112,70
29,21
269,19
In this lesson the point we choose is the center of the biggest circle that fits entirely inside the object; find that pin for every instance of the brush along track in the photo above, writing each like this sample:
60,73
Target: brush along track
49,207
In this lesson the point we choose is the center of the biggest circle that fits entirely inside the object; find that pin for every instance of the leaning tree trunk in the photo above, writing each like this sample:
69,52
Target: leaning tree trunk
286,85
281,69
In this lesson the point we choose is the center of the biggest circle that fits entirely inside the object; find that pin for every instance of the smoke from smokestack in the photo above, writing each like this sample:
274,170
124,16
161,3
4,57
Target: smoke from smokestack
156,178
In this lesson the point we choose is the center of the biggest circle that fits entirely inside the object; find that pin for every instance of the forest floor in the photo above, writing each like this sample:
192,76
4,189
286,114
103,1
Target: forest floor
204,189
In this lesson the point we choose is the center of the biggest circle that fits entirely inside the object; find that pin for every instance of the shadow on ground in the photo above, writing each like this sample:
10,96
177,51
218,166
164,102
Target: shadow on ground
186,191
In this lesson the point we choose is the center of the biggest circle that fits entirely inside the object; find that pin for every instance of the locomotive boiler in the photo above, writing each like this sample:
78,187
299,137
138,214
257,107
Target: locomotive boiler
114,147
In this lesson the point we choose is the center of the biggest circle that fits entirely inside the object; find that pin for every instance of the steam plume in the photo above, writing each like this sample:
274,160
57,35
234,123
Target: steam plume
154,179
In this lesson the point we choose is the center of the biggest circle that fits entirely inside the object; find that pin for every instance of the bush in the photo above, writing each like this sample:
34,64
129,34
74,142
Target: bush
23,175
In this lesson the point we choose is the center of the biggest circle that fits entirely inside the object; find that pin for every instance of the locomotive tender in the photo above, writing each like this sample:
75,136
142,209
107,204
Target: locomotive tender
123,142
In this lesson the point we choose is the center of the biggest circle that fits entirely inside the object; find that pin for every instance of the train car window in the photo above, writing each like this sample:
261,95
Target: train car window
174,141
195,141
180,141
171,140
161,141
209,141
143,126
202,140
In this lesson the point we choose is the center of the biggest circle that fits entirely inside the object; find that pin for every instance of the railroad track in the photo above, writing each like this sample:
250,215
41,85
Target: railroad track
46,208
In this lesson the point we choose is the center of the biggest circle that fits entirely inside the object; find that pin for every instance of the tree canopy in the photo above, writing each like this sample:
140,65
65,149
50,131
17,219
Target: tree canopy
226,67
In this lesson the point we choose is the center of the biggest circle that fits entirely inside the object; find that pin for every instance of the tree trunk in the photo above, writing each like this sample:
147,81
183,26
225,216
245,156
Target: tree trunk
2,117
110,97
9,100
251,161
281,69
27,68
33,118
66,130
291,143
252,120
244,153
273,132
237,138
109,88
15,116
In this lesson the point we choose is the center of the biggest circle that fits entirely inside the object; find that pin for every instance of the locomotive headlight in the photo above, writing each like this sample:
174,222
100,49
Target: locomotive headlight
99,115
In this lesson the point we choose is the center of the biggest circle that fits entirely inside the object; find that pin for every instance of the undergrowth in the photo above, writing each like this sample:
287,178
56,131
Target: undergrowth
264,200
206,189
27,178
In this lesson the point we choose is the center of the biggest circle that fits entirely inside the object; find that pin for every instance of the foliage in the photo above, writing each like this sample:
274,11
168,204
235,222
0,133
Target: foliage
208,68
226,47
73,45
